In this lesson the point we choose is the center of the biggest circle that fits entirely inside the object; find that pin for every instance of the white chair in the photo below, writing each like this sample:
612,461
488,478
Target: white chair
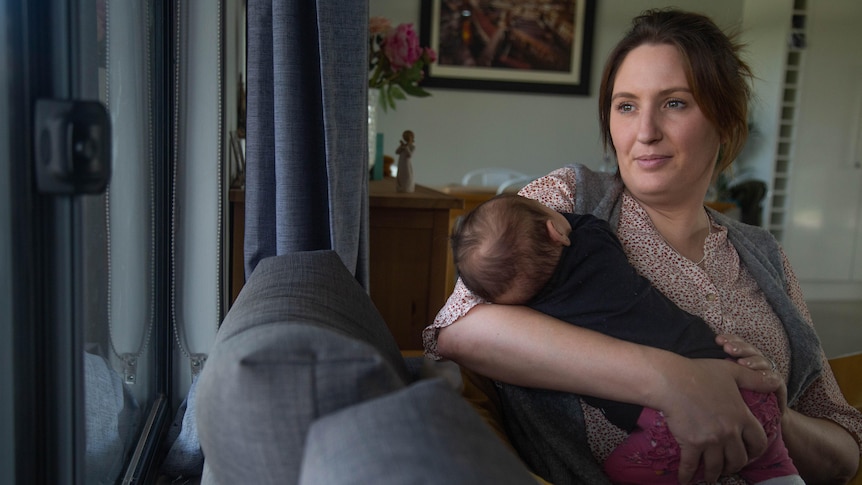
502,178
515,185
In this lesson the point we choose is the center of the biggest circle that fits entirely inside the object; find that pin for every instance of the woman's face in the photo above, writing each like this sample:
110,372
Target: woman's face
666,148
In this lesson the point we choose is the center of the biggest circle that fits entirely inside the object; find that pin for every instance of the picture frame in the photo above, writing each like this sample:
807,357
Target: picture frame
539,47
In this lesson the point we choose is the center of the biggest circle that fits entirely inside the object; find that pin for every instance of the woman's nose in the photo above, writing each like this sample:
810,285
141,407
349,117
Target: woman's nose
649,130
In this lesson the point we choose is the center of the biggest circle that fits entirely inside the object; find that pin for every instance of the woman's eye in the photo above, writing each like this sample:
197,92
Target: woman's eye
625,107
676,104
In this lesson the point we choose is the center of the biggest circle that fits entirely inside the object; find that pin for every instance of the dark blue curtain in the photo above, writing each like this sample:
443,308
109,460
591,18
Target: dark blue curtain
307,159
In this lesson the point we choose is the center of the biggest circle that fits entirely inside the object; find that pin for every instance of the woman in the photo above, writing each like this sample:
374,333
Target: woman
673,109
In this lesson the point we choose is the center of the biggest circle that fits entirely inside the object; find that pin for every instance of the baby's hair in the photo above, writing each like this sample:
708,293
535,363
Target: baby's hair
502,246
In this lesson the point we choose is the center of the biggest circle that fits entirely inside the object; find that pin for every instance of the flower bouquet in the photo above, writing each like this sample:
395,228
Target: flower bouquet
396,61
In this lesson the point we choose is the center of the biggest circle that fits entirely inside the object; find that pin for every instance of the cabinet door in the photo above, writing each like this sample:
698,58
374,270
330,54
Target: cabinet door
403,269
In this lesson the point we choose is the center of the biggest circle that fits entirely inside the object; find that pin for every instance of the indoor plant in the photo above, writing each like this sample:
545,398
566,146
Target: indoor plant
396,61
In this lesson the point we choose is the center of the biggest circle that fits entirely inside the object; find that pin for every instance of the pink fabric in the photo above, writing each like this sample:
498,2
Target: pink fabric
650,455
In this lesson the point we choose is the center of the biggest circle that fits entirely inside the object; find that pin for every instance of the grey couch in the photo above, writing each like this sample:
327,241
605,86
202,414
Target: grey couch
305,384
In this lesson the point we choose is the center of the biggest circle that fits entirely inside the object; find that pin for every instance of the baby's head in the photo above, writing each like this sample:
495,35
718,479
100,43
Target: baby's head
507,248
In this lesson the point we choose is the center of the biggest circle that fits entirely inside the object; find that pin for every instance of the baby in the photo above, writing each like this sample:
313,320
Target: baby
514,250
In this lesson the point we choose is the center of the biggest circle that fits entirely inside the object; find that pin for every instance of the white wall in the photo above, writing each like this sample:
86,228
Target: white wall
460,130
823,236
766,27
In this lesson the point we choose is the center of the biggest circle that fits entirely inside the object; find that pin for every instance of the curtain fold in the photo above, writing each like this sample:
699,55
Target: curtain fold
307,167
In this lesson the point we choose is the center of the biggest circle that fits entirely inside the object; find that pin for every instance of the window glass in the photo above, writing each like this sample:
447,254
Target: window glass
119,240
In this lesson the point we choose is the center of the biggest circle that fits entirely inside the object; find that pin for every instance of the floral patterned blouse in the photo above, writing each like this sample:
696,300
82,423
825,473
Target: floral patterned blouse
721,291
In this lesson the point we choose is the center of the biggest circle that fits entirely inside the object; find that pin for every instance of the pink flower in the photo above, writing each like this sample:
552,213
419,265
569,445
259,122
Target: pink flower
378,25
402,47
396,62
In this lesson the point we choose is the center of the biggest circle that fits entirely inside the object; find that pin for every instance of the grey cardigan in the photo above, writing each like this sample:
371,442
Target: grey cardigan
547,427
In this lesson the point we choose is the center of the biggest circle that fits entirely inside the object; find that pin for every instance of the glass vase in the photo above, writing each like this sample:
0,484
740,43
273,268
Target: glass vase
373,106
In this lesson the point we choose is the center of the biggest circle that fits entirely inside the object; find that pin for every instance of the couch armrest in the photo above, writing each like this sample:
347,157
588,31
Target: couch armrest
302,340
311,288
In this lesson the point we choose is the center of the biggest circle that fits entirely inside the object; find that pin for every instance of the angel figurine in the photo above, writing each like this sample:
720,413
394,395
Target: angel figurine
404,177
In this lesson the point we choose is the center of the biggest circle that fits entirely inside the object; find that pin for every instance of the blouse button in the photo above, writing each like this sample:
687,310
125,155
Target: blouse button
711,297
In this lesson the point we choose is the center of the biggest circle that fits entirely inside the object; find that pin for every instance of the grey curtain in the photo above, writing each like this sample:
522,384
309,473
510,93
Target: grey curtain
307,159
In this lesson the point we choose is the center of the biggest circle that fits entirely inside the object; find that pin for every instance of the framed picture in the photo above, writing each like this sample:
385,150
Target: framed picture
540,46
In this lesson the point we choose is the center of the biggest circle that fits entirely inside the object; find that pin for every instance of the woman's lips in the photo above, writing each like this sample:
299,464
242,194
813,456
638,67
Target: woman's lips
651,161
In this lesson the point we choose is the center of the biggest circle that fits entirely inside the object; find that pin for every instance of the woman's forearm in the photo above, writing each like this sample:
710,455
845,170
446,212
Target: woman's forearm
520,346
822,451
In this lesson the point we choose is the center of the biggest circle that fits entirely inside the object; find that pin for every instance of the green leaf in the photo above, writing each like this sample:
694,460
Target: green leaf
413,71
397,93
393,92
384,98
414,90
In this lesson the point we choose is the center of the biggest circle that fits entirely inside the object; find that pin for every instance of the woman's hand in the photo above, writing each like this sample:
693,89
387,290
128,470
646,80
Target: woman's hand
752,358
709,419
822,451
744,353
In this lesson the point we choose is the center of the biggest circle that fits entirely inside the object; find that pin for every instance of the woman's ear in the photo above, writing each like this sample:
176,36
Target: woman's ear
555,234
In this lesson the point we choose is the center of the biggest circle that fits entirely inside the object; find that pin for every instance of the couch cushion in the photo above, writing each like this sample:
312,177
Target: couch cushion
311,288
302,340
425,433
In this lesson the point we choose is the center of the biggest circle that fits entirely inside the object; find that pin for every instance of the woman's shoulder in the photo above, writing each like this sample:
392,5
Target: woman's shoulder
555,190
738,229
577,188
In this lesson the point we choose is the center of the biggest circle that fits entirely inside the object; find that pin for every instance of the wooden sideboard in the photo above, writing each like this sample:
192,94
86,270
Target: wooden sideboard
409,256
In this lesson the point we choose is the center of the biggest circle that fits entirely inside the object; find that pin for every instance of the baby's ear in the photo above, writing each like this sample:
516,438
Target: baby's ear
556,235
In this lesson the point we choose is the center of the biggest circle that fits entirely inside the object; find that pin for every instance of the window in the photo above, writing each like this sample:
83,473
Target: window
111,298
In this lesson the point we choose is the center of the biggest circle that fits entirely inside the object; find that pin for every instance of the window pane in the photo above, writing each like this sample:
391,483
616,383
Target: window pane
119,266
